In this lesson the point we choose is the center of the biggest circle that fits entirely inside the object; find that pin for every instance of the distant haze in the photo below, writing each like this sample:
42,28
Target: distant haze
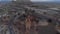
38,0
45,0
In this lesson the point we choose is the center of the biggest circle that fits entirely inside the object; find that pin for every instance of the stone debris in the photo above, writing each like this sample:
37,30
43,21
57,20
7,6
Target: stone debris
23,19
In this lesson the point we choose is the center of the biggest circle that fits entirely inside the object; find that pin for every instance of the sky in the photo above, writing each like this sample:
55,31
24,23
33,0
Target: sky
5,0
36,0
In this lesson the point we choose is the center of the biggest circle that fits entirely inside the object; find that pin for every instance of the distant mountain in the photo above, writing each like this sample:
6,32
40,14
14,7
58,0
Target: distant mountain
47,2
3,2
